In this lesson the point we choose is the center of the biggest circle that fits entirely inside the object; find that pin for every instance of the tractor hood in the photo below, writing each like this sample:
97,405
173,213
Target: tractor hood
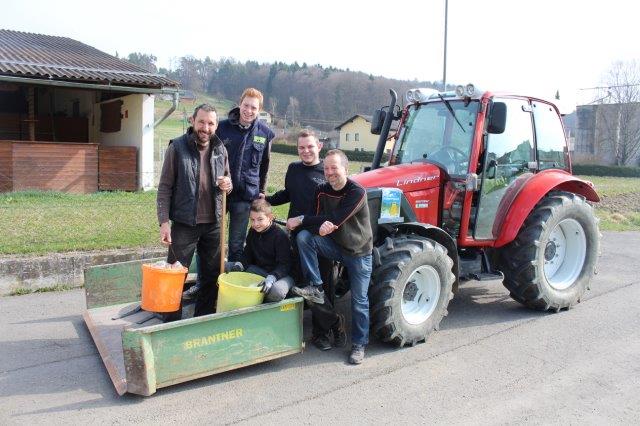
407,177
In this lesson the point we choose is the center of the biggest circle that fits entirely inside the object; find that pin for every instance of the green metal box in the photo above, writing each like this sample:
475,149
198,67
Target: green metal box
140,358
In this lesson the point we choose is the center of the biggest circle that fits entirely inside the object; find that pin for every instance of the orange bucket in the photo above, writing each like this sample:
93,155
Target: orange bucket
162,288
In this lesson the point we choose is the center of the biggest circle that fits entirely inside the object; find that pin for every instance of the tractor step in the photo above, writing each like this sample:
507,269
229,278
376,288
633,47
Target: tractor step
487,276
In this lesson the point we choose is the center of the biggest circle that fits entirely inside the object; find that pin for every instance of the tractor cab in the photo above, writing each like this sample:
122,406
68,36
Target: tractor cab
483,159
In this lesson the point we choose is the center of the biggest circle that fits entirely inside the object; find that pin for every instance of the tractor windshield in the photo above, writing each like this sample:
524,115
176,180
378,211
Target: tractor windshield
438,132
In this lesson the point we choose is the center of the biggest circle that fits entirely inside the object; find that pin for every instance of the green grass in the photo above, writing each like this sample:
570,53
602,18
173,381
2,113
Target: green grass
619,216
22,291
612,186
45,222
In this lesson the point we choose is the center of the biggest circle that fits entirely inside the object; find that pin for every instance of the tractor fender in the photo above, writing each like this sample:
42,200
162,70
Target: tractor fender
530,192
436,234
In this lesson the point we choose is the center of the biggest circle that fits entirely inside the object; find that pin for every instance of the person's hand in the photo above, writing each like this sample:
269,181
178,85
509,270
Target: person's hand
326,228
268,282
233,267
165,233
224,183
294,222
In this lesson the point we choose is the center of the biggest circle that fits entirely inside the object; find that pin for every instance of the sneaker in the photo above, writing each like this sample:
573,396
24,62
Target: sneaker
339,333
322,343
312,293
357,354
191,292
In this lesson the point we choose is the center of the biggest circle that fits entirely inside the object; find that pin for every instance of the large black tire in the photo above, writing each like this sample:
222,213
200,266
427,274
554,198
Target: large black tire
411,289
552,260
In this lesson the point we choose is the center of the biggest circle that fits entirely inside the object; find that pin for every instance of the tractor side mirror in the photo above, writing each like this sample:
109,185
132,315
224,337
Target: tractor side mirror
497,118
377,121
491,169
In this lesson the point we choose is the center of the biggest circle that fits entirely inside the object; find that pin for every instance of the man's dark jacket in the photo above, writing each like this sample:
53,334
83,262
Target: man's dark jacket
249,151
178,198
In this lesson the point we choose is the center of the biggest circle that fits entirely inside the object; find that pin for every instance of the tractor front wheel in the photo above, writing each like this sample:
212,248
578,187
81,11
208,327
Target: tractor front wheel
552,260
411,289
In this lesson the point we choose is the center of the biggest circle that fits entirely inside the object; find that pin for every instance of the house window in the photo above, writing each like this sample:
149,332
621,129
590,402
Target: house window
356,137
346,137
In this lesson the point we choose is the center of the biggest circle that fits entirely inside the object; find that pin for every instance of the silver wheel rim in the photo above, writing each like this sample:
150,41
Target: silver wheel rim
420,295
564,254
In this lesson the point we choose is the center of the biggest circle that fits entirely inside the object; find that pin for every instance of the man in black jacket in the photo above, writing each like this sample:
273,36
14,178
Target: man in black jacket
340,230
300,183
194,174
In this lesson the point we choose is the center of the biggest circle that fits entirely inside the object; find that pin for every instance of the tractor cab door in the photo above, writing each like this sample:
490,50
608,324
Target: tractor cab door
507,157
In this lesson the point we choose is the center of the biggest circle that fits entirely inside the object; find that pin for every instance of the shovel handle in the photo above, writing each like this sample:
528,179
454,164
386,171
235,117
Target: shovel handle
223,230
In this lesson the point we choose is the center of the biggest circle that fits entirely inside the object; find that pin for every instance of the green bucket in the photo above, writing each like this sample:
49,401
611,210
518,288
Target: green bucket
238,290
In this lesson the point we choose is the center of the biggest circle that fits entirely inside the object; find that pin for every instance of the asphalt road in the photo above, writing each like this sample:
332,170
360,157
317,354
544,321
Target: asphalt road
492,362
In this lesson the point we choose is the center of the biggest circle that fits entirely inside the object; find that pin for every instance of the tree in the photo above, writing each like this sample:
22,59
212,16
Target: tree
618,120
144,60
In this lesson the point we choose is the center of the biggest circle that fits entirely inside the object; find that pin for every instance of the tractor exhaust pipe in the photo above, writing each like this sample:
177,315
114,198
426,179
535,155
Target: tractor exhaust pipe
382,141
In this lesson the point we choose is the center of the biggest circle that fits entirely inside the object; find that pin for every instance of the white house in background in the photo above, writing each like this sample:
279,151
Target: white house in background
73,118
355,135
264,116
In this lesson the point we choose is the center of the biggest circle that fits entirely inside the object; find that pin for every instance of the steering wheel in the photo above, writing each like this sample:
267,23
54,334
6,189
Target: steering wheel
454,156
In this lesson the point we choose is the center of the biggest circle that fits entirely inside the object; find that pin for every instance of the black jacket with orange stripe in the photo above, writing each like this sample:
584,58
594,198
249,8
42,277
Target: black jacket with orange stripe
349,210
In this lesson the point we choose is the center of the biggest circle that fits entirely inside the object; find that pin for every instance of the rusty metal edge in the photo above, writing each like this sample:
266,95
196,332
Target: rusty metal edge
120,383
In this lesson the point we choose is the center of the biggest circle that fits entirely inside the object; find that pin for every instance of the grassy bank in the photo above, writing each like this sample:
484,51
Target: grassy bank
45,222
38,223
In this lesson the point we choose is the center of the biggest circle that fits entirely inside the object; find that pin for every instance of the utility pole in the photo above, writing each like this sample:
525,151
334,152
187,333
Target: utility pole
444,65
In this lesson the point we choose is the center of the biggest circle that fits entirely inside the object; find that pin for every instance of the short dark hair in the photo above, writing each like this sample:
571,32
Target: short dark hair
304,133
261,206
206,108
343,157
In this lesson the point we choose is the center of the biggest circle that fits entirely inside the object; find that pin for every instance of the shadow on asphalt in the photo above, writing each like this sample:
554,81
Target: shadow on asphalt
475,304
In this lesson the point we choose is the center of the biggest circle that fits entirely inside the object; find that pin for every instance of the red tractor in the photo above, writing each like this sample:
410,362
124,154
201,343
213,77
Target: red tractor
478,186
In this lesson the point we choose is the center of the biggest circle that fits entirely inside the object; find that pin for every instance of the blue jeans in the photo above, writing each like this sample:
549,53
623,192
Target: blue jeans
238,222
358,268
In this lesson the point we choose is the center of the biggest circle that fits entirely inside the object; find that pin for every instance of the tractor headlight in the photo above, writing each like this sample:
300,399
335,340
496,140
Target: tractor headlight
410,98
470,90
460,91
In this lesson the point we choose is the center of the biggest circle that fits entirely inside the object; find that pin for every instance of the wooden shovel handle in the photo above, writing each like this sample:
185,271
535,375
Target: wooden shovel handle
223,230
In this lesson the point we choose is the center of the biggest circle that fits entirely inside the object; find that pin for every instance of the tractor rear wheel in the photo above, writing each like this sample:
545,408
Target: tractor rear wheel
552,260
411,289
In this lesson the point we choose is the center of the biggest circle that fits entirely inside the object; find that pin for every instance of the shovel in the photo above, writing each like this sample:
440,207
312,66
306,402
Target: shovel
223,230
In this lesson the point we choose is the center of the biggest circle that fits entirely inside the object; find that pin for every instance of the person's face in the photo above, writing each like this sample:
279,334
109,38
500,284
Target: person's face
249,108
309,150
204,125
260,221
335,172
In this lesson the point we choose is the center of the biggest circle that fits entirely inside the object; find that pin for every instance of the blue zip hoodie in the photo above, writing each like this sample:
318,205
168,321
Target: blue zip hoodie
249,151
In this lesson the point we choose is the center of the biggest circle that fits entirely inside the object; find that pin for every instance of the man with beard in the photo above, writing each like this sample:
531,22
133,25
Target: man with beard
194,174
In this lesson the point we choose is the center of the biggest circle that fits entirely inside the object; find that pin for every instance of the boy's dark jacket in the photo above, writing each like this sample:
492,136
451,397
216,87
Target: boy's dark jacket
269,250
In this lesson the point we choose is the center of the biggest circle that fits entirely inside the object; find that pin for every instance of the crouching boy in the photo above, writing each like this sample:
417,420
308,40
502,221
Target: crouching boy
267,252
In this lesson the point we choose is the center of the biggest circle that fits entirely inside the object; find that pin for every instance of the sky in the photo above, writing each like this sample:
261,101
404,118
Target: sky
529,47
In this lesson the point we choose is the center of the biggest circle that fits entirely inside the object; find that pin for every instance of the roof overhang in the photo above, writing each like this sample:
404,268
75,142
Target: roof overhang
91,86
